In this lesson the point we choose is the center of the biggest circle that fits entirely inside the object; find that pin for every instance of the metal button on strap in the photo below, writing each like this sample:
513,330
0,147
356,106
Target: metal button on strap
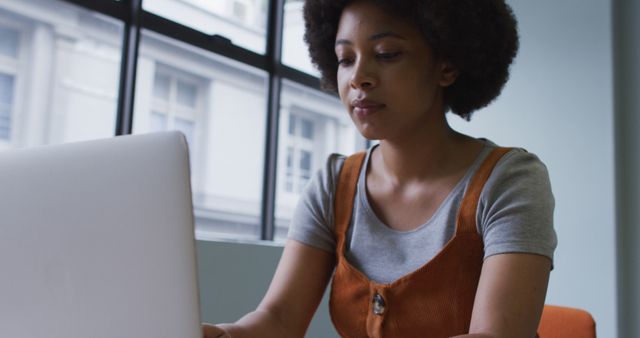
378,304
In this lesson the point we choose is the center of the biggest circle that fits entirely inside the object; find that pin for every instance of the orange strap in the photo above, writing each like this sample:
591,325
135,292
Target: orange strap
466,221
345,194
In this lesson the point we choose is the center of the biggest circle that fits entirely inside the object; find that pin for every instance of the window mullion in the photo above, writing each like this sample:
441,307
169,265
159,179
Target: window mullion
274,51
128,69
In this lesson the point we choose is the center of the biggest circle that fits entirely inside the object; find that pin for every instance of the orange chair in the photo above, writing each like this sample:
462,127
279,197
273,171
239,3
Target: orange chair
565,322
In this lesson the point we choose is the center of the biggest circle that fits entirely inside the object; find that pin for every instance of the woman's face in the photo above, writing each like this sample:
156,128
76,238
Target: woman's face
388,77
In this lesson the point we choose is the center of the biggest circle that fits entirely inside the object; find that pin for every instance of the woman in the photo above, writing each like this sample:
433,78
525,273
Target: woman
431,233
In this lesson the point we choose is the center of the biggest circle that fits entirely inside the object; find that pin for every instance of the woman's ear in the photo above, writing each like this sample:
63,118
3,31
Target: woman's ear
448,74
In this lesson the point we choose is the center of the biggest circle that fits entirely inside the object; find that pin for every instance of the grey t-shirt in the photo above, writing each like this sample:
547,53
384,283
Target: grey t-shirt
515,214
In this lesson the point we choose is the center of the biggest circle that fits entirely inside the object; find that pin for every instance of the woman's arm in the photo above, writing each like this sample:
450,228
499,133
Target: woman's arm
291,300
510,296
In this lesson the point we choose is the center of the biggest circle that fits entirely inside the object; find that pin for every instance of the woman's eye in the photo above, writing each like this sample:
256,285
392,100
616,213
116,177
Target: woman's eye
387,56
344,61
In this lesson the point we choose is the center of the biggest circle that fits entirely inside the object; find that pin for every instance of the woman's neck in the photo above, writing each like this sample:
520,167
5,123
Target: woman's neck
425,156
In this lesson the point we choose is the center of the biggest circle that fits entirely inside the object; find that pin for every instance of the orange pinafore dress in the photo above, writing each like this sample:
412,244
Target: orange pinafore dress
434,301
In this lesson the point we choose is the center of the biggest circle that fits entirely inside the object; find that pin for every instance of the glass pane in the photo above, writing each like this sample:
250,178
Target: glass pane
65,80
6,89
187,94
292,124
294,49
6,103
289,159
304,180
239,10
289,183
161,86
333,132
187,128
307,129
290,170
9,41
5,123
244,22
224,125
305,160
158,121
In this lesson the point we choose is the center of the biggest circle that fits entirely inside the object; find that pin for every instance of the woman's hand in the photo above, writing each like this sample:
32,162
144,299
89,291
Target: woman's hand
212,331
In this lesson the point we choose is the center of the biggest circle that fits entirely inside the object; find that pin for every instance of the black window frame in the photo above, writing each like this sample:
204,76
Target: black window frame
135,18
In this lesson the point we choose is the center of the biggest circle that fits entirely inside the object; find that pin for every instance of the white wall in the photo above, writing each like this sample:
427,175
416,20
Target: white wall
558,104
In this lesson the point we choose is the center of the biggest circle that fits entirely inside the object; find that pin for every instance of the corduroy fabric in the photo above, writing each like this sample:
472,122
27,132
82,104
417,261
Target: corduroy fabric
434,301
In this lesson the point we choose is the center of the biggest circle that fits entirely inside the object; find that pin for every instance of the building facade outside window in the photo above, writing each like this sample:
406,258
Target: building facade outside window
6,105
294,50
176,103
9,55
59,72
300,149
243,22
68,59
312,126
220,106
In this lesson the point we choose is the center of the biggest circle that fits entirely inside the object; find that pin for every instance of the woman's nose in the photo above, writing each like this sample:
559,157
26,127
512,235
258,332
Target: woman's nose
363,76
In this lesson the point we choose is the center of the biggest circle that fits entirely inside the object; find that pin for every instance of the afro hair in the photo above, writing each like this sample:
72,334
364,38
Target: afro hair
478,37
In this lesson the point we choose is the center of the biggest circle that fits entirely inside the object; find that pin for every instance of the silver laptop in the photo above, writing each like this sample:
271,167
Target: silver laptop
97,240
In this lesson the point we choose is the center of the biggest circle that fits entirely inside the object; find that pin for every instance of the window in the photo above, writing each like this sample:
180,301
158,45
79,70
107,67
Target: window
294,49
241,21
67,55
9,52
220,106
175,104
300,150
9,42
312,126
59,73
6,103
239,10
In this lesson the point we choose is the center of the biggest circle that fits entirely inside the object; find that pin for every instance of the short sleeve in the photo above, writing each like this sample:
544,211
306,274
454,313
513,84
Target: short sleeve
312,221
515,212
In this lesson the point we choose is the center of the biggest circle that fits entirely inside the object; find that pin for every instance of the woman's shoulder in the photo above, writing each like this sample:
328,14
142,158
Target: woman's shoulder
312,221
519,163
515,212
329,174
516,160
519,175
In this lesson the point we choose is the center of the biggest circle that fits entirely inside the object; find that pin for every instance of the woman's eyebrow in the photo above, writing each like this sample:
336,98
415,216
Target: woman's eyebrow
387,34
377,36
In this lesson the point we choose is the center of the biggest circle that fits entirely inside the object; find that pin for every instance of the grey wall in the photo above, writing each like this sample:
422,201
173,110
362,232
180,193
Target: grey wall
233,278
559,105
626,52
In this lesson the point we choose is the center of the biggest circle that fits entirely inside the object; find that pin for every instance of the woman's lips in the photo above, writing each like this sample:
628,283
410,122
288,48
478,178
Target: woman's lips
364,107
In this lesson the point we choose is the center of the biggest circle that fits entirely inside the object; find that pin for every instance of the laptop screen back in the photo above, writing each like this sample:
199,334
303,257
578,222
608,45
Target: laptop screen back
97,240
